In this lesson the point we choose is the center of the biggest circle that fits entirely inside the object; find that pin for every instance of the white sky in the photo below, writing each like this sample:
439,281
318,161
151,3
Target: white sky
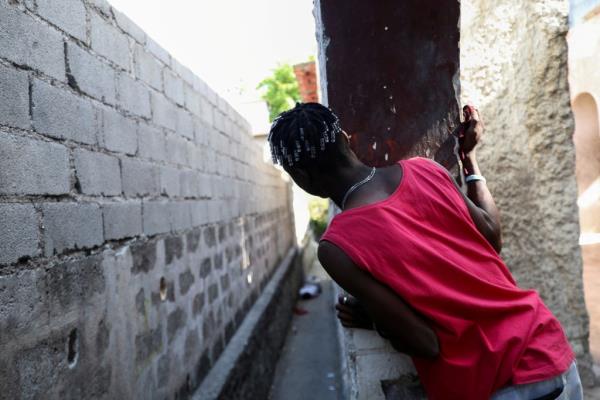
231,44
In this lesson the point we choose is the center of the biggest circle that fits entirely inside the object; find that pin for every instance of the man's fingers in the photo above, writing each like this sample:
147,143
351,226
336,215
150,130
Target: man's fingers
348,300
344,307
471,113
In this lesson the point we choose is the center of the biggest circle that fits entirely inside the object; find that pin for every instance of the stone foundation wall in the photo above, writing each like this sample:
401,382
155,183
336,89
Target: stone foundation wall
138,221
514,67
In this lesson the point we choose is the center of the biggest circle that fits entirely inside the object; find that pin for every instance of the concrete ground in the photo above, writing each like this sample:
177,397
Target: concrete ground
309,367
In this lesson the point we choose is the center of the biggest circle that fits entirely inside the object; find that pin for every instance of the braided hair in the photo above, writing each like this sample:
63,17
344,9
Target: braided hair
304,136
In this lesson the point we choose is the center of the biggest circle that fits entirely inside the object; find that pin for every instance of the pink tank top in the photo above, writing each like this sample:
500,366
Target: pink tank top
422,242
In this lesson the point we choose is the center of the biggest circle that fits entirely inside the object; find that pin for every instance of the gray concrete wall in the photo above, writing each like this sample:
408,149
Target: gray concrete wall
138,221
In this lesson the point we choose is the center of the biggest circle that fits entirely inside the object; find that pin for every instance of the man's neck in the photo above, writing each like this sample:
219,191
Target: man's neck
343,179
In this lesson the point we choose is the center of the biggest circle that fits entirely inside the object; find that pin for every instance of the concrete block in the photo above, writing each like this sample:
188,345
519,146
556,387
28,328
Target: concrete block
32,166
225,282
177,150
129,27
61,114
164,113
14,102
118,133
169,181
180,216
173,87
109,42
210,163
205,267
139,178
192,99
144,256
102,6
218,120
147,67
175,322
210,95
73,283
156,217
199,85
193,237
71,226
218,261
190,183
173,248
213,292
18,232
210,236
71,21
24,303
199,212
222,105
206,112
158,51
198,303
147,344
122,220
184,72
133,96
32,363
192,349
152,142
89,74
97,173
214,210
196,156
204,186
201,131
25,41
185,123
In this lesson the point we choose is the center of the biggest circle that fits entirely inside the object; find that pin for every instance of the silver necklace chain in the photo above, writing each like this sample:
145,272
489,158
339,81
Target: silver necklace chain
356,186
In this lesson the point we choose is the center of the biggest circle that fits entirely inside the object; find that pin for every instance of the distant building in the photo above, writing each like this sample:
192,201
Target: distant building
580,10
306,74
584,80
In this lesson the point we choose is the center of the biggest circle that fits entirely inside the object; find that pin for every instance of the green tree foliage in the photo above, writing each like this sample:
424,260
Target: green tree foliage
280,90
317,210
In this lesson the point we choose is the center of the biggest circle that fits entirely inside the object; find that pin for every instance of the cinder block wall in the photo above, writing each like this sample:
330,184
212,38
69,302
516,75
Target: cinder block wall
138,221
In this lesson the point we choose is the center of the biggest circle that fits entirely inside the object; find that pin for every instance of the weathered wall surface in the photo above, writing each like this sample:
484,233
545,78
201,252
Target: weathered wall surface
138,222
514,67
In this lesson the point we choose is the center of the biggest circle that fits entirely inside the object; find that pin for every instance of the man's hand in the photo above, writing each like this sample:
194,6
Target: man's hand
408,331
471,132
352,314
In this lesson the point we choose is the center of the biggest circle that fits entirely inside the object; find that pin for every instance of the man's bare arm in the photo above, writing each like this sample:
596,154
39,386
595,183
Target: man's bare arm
407,331
479,200
481,205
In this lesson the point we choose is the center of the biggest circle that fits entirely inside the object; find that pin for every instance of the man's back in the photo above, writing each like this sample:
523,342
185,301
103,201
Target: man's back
422,243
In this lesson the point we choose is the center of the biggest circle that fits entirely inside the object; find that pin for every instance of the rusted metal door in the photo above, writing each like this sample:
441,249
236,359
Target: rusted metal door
389,69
